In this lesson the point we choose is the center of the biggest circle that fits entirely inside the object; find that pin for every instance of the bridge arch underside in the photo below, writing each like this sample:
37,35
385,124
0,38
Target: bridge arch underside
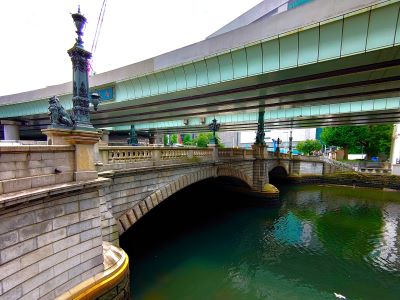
278,172
224,175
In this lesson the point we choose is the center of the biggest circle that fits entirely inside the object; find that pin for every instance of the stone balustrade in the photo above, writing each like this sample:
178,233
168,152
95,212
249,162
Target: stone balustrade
228,153
128,157
127,154
25,167
375,170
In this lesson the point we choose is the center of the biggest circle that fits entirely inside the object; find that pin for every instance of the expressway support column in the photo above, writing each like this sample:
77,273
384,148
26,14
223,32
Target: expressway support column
11,130
152,138
395,150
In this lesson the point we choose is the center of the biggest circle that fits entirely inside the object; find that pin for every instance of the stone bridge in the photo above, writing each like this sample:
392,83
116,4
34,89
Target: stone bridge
59,231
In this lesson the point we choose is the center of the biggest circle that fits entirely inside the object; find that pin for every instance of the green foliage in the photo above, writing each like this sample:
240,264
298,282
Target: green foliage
308,146
203,139
373,139
187,140
378,140
165,140
173,138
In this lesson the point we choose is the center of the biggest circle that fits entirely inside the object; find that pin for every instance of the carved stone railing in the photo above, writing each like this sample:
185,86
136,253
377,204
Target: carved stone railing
121,157
25,167
231,153
375,170
116,154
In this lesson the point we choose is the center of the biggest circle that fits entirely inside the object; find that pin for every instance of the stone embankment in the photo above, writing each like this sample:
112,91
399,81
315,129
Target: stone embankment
351,179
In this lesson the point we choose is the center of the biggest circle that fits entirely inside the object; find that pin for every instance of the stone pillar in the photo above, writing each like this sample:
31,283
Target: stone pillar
260,151
215,151
105,137
11,130
260,174
84,142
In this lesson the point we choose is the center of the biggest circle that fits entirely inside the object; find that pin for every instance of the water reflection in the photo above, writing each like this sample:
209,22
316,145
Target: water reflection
321,241
385,254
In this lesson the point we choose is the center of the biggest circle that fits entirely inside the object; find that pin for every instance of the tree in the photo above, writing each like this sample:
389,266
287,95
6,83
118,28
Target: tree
378,140
203,139
374,139
187,140
308,146
173,139
343,136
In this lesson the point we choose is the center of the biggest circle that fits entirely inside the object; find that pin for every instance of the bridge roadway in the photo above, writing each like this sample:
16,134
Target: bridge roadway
325,63
55,230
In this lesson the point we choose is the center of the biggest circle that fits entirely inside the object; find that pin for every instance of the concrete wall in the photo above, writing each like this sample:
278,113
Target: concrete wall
49,245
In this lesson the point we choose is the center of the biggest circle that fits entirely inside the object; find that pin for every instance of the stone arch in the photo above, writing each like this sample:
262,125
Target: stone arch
279,171
130,217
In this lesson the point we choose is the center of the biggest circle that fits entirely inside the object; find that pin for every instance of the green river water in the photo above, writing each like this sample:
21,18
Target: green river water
319,243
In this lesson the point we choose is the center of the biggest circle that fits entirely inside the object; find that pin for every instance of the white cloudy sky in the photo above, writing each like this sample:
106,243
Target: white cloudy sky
35,34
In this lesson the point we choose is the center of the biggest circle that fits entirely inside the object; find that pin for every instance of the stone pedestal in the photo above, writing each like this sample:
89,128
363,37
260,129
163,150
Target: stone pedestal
56,136
11,130
215,151
260,151
105,137
84,142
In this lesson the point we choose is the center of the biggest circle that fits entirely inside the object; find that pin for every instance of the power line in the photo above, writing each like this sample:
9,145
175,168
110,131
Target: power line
98,29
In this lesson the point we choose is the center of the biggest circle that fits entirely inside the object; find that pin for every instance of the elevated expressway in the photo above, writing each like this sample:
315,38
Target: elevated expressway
325,63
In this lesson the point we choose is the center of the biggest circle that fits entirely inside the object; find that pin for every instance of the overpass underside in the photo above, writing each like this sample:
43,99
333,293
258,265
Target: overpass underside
339,69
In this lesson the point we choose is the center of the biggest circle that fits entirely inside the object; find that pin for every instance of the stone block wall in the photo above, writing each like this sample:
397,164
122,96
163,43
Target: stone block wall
350,179
49,245
25,167
307,168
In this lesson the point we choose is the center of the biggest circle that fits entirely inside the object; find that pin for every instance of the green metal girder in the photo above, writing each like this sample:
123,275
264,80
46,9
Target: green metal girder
281,114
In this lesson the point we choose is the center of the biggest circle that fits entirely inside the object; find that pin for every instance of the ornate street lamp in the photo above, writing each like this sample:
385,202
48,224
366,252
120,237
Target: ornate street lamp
214,126
260,136
80,65
133,137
